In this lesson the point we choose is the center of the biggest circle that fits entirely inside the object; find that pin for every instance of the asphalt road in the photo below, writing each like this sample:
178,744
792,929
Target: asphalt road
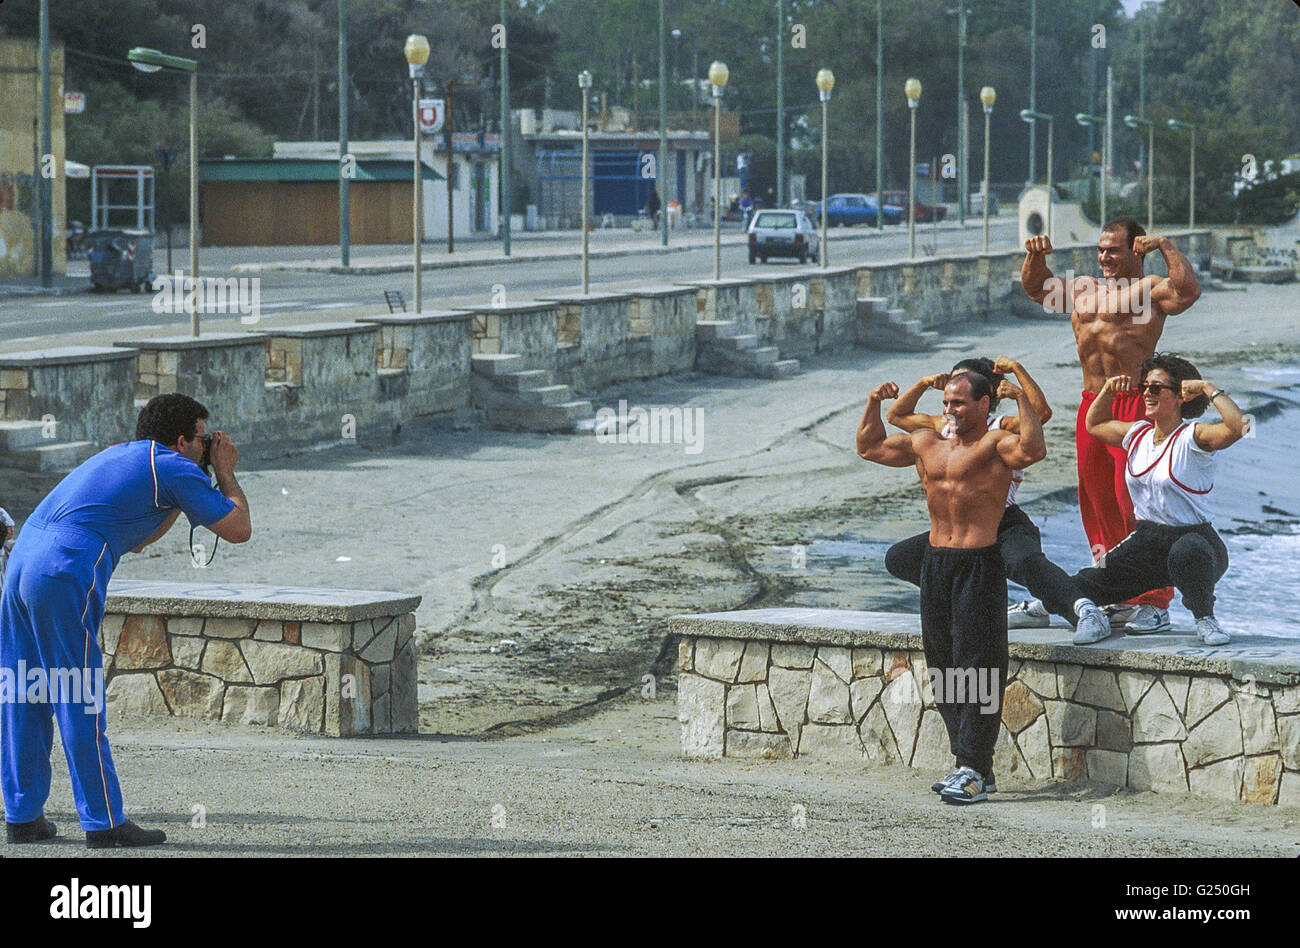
297,296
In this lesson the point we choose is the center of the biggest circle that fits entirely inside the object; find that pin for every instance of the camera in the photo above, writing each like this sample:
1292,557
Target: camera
206,461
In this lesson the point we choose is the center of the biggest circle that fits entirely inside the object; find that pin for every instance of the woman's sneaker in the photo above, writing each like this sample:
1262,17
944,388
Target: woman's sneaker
1028,615
966,787
1147,621
1210,632
1119,615
1093,625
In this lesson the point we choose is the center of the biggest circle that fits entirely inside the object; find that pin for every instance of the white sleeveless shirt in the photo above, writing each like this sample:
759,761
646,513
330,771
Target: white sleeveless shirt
1016,475
1169,482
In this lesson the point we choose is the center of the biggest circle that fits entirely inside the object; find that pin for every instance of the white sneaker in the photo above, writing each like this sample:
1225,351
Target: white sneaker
1028,615
1210,632
1092,626
1121,614
1148,620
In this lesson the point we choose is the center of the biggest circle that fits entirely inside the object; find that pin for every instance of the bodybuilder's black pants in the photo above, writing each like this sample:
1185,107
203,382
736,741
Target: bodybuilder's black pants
964,631
1021,546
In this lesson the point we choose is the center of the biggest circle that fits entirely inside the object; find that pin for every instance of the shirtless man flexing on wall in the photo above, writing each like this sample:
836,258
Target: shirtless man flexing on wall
1117,323
963,580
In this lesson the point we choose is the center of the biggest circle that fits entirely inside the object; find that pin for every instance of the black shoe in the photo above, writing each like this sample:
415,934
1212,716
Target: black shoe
33,832
128,834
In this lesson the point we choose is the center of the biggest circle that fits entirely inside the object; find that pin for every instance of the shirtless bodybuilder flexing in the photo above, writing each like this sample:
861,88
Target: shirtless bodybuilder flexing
1117,322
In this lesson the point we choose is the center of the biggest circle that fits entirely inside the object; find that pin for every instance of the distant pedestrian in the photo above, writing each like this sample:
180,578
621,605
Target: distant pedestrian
652,206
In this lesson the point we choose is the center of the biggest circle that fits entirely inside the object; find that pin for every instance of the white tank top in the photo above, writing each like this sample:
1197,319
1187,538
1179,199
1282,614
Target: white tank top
1016,476
1170,482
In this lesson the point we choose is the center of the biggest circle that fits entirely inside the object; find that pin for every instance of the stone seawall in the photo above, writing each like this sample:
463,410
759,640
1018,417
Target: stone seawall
851,688
318,661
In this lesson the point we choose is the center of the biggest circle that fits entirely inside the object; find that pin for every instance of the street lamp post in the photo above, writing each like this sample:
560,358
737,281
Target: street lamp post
1191,172
150,60
1029,115
417,54
584,83
880,119
1133,121
1083,118
912,89
825,83
987,96
718,75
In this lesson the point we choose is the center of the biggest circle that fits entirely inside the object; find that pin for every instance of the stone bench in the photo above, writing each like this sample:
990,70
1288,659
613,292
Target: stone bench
1160,713
339,662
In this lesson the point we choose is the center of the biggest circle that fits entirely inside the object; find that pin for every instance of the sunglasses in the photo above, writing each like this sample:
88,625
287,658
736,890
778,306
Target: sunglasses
1155,388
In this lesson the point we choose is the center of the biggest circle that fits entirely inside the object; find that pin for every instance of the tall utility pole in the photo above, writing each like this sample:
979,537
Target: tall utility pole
504,176
880,116
1109,144
963,128
780,103
47,148
1142,78
345,235
1033,89
661,167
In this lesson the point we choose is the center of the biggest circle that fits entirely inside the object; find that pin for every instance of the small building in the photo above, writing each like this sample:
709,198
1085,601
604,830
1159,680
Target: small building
474,171
624,155
259,202
20,93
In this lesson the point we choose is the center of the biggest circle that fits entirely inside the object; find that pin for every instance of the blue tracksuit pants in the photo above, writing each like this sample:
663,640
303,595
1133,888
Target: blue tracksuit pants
50,612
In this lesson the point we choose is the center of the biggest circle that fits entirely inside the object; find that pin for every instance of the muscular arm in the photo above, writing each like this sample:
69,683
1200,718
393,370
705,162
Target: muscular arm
1215,436
1037,399
1028,447
1037,280
873,445
1180,289
903,413
1100,420
160,532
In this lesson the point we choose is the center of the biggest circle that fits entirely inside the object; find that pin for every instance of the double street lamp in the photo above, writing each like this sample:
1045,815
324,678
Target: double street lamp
1030,116
584,83
912,89
1133,121
825,83
718,75
150,60
1191,173
1083,118
417,54
987,96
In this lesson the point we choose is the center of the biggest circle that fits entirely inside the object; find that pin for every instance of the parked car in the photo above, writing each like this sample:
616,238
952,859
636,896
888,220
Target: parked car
783,233
844,210
924,212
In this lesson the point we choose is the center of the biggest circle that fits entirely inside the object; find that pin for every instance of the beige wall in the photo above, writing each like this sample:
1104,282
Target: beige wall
20,91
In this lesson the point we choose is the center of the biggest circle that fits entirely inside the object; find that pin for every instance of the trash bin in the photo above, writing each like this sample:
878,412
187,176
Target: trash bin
120,258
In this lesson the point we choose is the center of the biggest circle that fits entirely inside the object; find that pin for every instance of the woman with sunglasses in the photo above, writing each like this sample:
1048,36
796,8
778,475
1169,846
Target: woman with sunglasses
1169,473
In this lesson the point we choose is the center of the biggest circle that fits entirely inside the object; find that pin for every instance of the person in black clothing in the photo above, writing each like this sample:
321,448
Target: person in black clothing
1019,541
963,582
652,206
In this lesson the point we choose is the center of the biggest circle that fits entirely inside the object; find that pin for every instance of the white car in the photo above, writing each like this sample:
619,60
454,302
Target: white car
784,232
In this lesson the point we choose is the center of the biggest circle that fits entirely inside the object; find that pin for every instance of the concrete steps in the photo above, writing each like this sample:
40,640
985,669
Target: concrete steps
515,397
721,350
881,327
24,447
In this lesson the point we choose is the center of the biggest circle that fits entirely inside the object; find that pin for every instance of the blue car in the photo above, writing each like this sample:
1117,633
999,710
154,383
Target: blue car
845,210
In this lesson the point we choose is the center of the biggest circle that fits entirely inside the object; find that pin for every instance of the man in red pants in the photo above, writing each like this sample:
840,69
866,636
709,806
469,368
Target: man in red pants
1117,323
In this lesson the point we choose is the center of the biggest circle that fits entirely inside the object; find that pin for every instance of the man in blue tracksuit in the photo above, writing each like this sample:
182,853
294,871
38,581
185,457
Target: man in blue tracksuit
52,604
